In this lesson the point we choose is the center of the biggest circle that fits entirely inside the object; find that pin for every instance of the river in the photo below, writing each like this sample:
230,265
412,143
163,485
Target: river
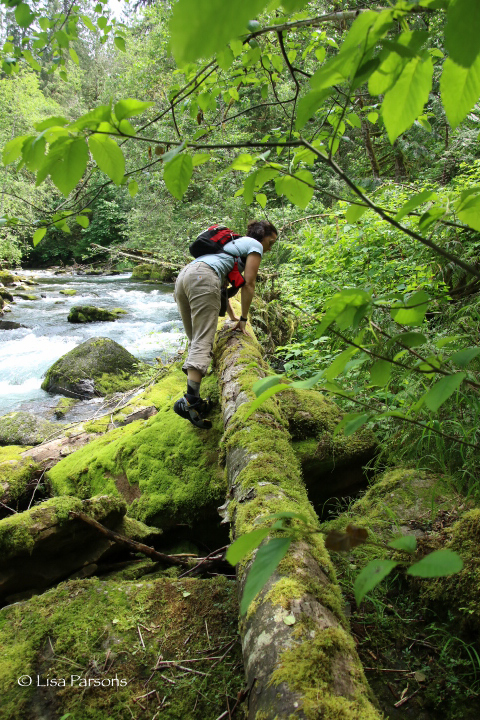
152,328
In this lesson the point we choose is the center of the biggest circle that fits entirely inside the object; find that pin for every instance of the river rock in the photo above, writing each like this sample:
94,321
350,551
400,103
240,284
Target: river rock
49,545
68,291
24,428
18,477
25,296
96,367
90,313
5,294
7,278
9,325
154,273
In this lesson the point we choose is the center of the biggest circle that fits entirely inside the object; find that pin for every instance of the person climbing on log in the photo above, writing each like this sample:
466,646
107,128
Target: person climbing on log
198,292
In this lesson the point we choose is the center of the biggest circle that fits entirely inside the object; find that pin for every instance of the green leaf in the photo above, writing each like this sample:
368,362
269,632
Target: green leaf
462,38
243,162
442,390
23,15
413,313
261,385
292,6
129,107
67,165
338,365
200,159
261,199
225,59
414,202
409,339
355,212
371,575
13,149
74,56
199,27
354,423
372,117
295,188
177,175
308,106
88,23
308,384
245,544
430,217
248,188
133,188
468,210
408,543
437,564
50,122
255,404
354,120
31,60
39,235
463,357
380,373
120,43
108,156
83,221
266,562
289,620
405,100
460,90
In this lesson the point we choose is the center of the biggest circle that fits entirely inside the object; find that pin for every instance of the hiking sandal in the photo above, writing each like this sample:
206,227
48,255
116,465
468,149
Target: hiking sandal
193,412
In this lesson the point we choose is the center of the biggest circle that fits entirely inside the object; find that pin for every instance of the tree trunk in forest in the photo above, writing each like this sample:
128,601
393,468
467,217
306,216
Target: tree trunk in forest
309,669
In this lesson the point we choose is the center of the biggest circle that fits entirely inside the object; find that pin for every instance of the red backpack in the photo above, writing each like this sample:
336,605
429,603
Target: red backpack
211,242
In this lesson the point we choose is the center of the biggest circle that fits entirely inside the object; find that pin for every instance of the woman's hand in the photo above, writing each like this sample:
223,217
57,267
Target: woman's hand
241,324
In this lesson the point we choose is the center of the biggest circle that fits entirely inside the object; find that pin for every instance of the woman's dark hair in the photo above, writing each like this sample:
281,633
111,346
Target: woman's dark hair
258,229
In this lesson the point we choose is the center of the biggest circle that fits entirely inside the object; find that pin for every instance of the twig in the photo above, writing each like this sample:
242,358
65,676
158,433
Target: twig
173,682
204,560
130,544
206,628
140,635
35,489
405,699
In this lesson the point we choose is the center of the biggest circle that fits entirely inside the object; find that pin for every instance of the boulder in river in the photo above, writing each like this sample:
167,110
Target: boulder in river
25,296
97,367
7,278
154,273
9,325
68,291
90,313
5,294
24,428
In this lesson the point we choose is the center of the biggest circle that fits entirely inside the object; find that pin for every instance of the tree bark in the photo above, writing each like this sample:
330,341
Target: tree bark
309,669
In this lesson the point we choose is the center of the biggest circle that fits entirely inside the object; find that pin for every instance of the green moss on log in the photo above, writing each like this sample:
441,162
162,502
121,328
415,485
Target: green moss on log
167,468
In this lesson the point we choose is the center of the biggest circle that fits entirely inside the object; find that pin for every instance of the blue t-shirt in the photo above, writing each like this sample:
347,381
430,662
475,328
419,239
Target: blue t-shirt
223,262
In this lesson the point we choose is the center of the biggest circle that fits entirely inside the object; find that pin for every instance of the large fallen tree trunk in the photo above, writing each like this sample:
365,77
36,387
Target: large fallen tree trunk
308,669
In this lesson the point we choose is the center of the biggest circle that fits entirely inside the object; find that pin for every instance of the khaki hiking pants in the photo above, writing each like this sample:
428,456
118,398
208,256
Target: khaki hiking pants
197,294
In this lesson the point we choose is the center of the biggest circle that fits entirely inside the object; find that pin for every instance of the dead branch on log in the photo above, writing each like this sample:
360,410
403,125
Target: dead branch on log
130,544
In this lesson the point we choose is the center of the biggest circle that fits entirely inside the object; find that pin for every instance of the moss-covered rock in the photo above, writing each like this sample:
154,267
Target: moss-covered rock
5,294
90,313
24,428
63,406
16,474
98,366
25,296
7,278
49,545
166,468
332,465
154,273
104,639
68,291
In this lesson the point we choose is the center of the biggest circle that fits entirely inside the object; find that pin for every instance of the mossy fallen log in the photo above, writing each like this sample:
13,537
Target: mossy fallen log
309,669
